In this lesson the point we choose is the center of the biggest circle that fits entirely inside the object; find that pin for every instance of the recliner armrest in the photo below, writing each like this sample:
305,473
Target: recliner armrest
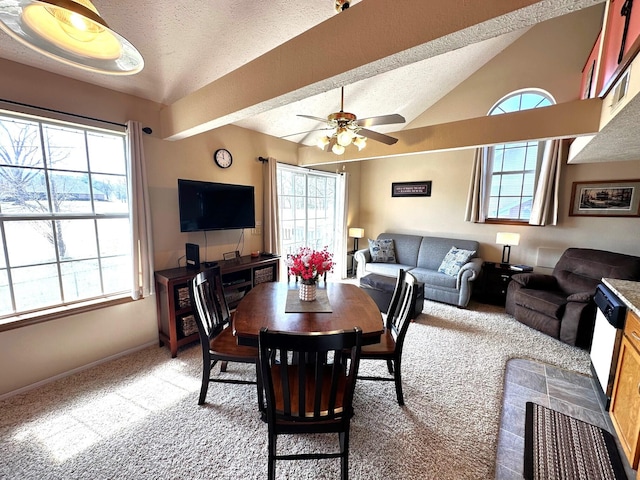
538,281
580,297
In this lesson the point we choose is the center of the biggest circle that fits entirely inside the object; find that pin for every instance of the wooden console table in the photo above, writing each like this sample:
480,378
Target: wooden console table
176,322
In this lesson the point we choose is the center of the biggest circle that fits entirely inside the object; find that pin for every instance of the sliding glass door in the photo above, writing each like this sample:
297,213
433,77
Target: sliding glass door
311,207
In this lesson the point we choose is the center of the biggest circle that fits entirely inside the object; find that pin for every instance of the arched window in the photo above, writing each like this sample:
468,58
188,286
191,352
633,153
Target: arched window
513,168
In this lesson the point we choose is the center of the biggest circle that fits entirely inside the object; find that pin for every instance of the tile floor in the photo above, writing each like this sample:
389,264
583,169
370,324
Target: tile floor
561,390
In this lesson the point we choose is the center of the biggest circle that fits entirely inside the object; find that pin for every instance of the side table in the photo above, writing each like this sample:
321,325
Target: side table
493,283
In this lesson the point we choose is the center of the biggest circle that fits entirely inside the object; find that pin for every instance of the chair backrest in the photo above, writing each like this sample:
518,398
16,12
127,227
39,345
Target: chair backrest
309,378
209,303
400,310
581,269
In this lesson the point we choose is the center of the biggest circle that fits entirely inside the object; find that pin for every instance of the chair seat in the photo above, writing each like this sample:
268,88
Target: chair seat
549,303
386,347
226,345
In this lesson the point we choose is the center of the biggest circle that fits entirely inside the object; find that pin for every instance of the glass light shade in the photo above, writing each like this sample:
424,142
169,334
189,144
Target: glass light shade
337,149
72,32
323,142
344,137
356,232
360,142
507,238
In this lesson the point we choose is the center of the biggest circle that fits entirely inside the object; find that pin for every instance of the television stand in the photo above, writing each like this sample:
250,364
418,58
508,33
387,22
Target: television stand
176,321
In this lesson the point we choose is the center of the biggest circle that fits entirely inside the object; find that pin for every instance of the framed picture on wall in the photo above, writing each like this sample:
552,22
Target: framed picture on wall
411,189
610,198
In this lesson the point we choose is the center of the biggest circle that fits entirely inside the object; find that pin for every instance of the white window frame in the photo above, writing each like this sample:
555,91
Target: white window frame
16,313
331,241
526,146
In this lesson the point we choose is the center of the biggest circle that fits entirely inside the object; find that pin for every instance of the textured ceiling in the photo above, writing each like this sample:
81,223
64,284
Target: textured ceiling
187,45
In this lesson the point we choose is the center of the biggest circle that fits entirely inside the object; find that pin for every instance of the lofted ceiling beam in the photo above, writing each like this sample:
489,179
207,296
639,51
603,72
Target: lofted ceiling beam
368,39
565,120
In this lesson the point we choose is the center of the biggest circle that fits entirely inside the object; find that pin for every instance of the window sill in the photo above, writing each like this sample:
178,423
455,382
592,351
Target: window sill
41,316
504,221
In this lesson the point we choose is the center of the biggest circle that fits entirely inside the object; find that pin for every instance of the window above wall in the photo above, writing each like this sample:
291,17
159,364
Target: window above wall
64,215
513,168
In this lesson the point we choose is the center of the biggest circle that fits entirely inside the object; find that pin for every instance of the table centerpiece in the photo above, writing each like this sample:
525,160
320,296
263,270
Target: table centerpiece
308,266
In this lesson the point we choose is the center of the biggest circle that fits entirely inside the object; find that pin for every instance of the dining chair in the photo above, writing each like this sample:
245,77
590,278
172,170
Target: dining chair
309,380
216,336
399,316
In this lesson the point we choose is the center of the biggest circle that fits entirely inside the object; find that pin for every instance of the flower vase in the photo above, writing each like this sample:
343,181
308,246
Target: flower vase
307,292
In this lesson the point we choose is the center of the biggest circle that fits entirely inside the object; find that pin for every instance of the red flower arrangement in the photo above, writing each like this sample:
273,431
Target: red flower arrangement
309,264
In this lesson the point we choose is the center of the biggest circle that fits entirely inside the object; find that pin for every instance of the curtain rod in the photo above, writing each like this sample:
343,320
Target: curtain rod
64,113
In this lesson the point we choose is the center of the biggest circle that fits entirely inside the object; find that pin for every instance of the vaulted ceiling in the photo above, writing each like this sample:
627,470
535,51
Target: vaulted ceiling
258,64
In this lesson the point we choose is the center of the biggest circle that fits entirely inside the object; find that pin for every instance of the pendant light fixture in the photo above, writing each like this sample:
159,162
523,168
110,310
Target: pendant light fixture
72,32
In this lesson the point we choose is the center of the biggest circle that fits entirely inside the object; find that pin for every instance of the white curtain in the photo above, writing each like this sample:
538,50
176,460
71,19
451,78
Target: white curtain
140,217
342,208
271,216
545,201
477,188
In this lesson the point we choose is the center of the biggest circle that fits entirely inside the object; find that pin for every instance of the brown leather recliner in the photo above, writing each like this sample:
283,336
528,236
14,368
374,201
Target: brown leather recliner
561,304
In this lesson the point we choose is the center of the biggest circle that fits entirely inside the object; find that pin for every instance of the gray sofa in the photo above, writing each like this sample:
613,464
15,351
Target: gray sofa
422,256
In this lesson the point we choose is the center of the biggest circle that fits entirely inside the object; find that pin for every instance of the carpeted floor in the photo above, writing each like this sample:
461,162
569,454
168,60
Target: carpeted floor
137,417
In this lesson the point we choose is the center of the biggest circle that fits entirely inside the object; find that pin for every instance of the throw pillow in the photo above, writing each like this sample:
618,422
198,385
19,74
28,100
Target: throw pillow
382,251
454,260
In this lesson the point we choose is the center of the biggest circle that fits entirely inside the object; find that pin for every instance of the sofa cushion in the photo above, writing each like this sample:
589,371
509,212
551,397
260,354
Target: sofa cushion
382,251
434,249
435,279
388,269
407,247
549,303
454,260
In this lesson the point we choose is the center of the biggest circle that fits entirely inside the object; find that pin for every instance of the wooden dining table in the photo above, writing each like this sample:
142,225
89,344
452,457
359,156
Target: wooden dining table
264,306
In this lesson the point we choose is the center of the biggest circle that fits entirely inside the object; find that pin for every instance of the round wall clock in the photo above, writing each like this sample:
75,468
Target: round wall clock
223,158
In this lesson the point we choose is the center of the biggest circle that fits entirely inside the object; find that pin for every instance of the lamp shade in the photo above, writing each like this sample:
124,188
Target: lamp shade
72,32
507,238
356,232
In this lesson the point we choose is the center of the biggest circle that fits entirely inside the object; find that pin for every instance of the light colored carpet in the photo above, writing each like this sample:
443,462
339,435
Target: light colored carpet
137,417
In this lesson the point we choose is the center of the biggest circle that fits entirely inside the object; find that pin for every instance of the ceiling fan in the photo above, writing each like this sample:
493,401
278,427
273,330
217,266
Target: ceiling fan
347,129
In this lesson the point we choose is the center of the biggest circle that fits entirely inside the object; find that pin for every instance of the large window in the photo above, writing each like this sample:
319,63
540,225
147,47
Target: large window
64,214
307,203
513,168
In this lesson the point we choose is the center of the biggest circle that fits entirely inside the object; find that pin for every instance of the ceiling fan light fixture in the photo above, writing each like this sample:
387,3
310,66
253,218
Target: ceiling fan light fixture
344,136
337,149
360,142
72,32
323,142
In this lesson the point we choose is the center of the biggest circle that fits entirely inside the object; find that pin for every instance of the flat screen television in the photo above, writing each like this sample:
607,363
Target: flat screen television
215,206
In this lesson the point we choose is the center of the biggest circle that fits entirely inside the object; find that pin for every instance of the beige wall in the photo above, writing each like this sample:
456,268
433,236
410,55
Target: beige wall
525,64
36,353
442,214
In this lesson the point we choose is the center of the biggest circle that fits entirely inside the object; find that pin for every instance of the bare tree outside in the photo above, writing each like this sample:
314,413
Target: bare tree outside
20,147
65,214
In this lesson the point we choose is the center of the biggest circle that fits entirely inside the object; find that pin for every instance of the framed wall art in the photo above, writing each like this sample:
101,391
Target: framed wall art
609,198
411,189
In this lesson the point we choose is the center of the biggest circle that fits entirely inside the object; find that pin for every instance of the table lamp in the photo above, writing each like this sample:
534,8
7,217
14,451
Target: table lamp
356,233
507,239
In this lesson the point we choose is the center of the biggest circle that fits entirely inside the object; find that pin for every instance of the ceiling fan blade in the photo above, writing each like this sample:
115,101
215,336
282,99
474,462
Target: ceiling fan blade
381,120
378,137
323,120
306,131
